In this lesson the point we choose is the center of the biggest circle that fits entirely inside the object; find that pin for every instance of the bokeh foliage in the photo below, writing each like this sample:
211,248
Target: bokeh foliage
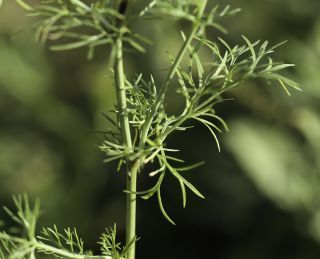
262,189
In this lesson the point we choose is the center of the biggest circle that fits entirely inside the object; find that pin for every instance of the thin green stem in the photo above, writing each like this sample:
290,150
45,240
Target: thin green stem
126,135
131,208
165,85
132,168
5,236
171,74
121,95
81,5
34,244
60,252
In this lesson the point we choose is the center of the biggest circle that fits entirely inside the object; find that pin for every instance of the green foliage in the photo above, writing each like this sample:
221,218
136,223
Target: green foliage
26,218
141,131
201,84
110,246
50,241
68,241
80,25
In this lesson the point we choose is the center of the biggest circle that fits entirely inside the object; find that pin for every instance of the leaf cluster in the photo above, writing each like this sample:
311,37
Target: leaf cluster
189,10
76,24
26,218
68,240
201,83
110,246
26,244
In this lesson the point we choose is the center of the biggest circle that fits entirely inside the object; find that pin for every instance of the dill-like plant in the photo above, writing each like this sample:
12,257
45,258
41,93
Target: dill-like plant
143,125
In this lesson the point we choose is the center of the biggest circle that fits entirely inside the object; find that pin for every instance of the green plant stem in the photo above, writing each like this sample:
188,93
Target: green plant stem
132,169
34,244
81,5
121,95
164,87
131,209
57,251
171,74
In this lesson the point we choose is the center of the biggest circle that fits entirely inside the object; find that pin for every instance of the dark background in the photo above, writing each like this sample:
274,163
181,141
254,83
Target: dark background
262,190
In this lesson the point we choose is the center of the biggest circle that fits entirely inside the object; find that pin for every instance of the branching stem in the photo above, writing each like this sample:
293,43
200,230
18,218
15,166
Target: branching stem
171,74
34,244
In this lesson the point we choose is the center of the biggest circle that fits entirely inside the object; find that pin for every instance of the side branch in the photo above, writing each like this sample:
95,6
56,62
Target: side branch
171,74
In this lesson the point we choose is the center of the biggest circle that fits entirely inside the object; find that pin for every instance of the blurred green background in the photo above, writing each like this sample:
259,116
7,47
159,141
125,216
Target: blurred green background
262,191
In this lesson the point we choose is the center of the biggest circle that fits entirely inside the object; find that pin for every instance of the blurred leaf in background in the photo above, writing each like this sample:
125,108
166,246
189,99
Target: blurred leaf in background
279,150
